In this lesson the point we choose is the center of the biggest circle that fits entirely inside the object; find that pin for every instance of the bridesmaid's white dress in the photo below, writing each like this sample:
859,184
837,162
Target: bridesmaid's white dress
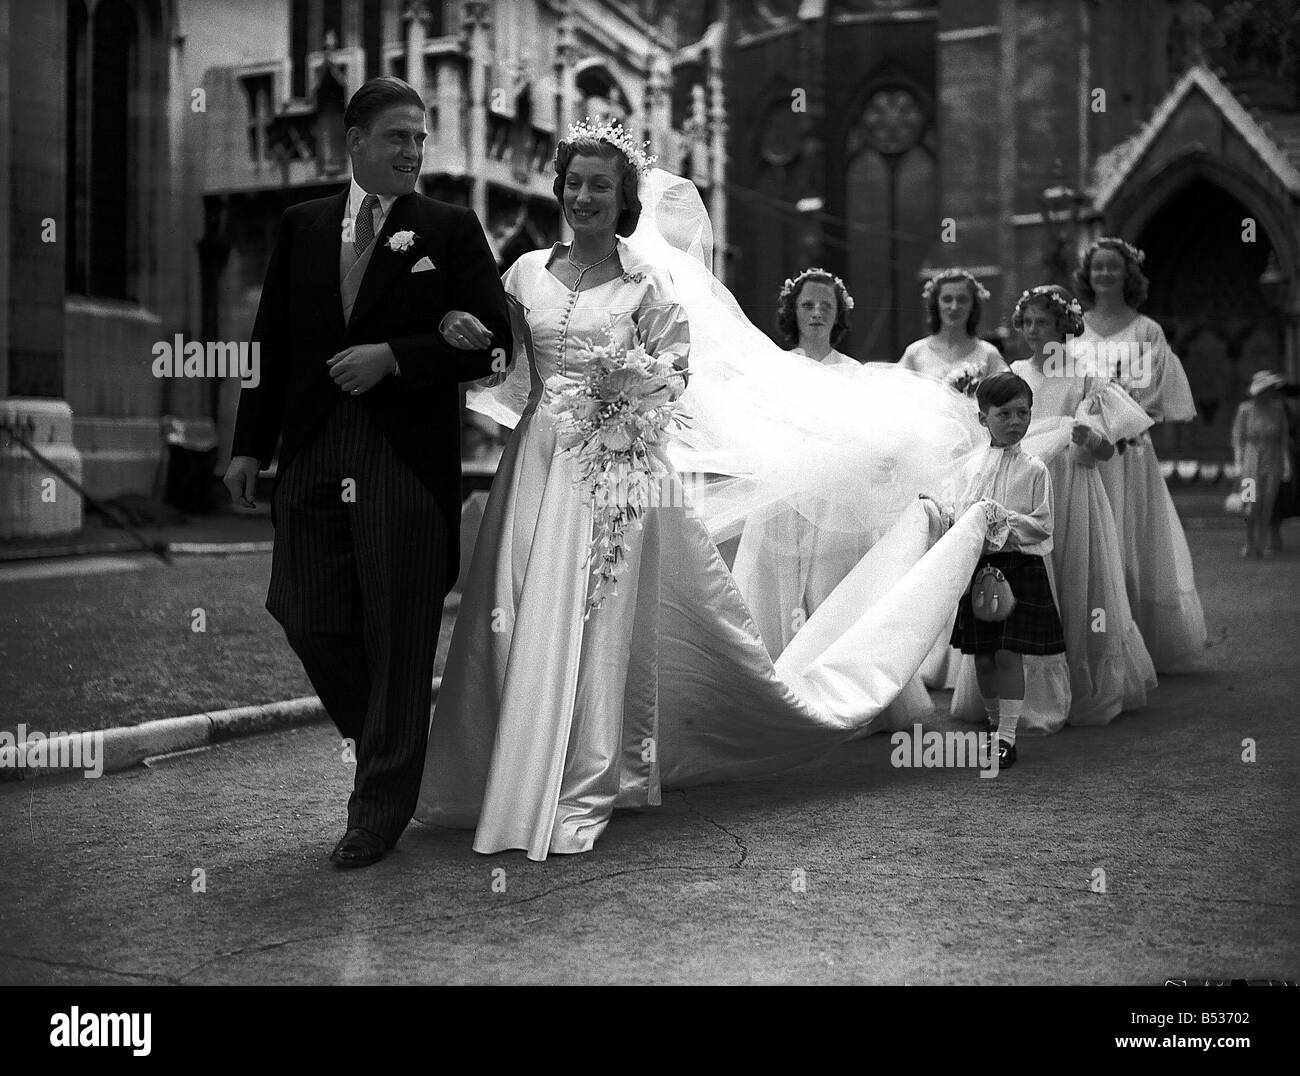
786,567
1158,572
921,356
545,722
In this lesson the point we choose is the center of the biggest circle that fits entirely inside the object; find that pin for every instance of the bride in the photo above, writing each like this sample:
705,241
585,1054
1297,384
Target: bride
553,710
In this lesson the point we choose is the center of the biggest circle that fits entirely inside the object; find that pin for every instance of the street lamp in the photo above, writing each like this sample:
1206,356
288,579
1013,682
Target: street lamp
1272,282
1061,218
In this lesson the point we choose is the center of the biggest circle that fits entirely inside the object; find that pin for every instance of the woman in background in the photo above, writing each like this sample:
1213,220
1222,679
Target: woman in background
1261,446
952,353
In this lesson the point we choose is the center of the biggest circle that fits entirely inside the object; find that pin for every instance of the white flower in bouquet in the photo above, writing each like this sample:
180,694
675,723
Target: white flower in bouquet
965,378
620,407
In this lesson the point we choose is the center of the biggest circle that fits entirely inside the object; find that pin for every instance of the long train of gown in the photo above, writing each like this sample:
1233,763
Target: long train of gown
1106,668
791,558
544,723
701,700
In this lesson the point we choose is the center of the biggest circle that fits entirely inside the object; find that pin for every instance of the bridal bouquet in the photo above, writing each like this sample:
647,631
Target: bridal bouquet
620,407
965,378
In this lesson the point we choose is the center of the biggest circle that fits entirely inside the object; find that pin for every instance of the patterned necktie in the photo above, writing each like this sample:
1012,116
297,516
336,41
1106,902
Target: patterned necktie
365,229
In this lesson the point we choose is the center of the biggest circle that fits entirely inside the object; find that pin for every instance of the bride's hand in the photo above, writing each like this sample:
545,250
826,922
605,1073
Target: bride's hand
677,382
464,331
940,515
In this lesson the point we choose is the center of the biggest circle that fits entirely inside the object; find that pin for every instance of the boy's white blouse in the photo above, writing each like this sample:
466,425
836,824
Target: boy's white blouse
1021,485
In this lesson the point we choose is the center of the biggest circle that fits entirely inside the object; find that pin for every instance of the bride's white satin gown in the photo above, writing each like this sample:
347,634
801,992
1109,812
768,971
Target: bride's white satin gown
545,723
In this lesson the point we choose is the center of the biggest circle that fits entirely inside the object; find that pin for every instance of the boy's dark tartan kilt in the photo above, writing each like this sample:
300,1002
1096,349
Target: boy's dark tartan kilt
1034,626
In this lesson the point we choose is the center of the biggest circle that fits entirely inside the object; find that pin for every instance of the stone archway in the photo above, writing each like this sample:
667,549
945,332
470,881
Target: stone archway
603,97
1208,236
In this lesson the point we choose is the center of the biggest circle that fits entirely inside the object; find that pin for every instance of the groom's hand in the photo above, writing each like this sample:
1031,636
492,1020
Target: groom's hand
241,480
360,368
464,331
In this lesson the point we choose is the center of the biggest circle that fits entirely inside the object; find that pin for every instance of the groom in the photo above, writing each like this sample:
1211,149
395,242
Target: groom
359,381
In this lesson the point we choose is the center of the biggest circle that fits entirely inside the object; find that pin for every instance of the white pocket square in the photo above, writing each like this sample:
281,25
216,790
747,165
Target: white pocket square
423,266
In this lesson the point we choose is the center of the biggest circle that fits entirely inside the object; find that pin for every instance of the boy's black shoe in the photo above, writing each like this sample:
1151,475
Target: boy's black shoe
1006,754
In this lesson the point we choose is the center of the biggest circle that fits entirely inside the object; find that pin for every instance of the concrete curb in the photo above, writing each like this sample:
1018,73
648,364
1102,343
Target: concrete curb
217,549
128,746
203,549
58,552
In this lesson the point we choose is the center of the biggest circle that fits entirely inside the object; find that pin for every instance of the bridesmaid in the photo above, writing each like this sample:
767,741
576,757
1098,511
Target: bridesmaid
1110,670
785,566
1158,571
953,354
812,313
953,302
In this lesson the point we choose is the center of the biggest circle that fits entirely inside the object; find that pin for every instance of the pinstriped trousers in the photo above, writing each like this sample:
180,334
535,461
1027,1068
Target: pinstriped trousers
357,583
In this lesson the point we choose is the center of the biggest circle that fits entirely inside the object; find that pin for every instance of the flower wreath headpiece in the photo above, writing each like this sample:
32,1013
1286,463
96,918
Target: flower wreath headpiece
792,284
1068,312
1116,243
616,135
949,276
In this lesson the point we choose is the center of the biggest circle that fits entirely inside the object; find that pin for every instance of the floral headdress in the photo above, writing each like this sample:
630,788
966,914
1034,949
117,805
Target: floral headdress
792,285
616,135
1059,303
1114,242
949,276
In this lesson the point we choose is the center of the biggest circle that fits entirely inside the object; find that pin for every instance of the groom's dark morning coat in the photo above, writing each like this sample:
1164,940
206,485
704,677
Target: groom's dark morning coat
358,584
300,327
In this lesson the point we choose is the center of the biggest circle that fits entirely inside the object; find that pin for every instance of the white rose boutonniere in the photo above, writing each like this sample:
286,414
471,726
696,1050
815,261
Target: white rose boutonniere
400,242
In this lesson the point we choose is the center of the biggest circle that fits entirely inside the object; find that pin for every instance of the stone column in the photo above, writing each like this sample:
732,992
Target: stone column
698,125
566,55
450,132
1008,152
6,207
565,91
1290,365
34,232
718,160
417,26
812,162
477,23
659,110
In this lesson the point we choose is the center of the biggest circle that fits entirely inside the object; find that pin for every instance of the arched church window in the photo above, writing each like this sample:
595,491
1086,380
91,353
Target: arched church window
890,208
103,79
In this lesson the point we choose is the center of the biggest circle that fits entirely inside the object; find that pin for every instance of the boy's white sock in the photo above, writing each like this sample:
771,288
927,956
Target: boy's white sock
1009,718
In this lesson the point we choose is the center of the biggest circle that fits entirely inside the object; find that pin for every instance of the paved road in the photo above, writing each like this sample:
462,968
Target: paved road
920,876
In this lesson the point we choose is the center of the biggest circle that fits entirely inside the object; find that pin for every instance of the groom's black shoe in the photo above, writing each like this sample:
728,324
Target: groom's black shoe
359,848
